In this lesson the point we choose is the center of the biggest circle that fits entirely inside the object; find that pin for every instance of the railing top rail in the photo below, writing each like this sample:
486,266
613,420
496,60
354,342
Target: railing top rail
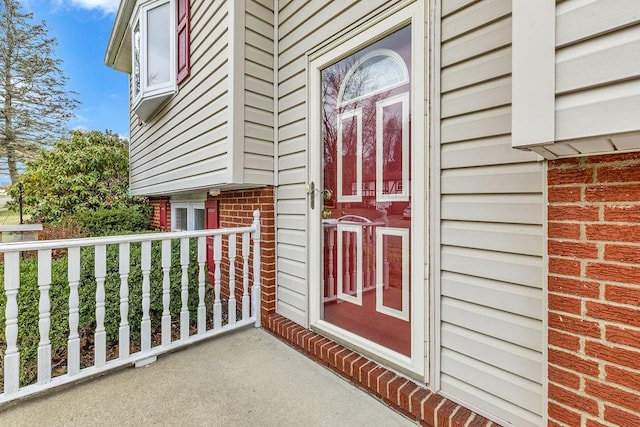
109,240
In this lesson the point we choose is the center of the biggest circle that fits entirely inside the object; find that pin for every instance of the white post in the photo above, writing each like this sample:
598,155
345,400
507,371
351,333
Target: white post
217,305
184,289
145,326
124,331
44,319
73,343
232,279
255,292
245,276
202,309
12,354
100,338
166,283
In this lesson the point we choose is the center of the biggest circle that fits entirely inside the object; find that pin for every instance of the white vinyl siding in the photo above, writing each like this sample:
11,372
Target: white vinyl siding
258,92
303,26
491,229
191,143
597,68
592,63
184,146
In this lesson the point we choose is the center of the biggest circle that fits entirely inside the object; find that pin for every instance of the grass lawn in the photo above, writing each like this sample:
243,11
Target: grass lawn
10,218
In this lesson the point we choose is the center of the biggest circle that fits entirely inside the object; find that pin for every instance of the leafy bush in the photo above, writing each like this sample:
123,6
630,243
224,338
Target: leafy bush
104,222
89,171
29,295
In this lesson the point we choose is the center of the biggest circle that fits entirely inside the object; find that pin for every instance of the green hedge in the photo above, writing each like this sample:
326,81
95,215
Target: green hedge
28,298
105,222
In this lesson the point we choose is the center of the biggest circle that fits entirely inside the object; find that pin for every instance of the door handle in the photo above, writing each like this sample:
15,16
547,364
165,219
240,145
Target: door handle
311,192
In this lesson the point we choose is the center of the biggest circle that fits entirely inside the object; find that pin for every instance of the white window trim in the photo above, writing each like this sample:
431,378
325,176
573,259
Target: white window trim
190,207
149,98
357,197
403,196
413,14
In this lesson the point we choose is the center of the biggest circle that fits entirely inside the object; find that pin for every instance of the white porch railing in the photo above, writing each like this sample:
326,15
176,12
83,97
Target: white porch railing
344,280
218,240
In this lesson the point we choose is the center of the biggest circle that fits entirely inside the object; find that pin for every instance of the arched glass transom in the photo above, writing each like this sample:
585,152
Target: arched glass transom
375,72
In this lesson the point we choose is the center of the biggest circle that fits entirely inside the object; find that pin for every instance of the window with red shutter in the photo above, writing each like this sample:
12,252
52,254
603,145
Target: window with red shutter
183,42
211,221
163,216
154,54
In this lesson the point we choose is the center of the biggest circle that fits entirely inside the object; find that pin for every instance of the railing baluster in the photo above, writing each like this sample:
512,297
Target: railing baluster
245,276
44,317
232,280
217,305
100,339
124,331
47,276
184,291
385,263
73,344
12,354
166,282
332,283
255,292
372,257
354,256
347,266
202,309
145,326
366,247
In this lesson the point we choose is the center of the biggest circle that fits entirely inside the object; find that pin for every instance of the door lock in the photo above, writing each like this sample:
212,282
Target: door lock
327,194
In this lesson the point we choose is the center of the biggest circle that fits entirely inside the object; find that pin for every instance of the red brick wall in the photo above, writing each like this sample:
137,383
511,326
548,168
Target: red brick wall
236,210
594,291
156,202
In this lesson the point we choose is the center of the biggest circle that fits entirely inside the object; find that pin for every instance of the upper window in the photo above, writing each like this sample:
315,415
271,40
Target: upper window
157,65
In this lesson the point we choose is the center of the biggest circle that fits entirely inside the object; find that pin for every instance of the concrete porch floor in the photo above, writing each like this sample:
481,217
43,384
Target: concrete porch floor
247,378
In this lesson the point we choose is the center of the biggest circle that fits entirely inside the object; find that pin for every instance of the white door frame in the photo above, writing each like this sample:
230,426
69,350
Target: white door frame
413,14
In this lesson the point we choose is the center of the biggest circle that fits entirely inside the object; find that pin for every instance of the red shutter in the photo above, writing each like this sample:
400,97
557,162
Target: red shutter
163,216
211,221
184,40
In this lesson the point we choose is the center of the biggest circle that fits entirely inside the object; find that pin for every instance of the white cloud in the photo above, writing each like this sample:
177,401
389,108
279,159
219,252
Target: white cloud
106,6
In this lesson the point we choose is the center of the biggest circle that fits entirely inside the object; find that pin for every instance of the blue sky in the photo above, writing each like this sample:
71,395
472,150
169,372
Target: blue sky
82,28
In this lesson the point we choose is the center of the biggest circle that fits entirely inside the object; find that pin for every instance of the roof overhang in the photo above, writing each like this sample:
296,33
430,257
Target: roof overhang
118,53
606,144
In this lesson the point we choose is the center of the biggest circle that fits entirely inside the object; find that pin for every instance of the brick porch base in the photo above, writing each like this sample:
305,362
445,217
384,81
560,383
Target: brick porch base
416,402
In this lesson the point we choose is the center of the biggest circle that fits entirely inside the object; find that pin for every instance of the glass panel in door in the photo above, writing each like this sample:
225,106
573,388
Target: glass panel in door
367,192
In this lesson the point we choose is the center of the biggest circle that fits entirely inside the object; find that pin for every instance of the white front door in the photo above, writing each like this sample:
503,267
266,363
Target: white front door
369,235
